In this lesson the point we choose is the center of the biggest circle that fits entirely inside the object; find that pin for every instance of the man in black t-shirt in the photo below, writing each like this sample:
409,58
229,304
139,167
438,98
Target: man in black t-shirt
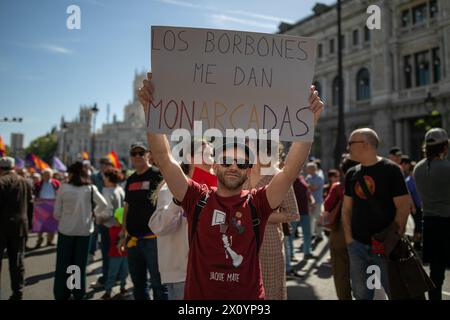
138,208
362,219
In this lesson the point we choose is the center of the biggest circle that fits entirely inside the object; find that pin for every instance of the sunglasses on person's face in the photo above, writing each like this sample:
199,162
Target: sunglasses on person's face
353,142
240,163
137,153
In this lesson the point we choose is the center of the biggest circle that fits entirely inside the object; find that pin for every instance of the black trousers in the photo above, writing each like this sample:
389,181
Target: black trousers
437,275
15,246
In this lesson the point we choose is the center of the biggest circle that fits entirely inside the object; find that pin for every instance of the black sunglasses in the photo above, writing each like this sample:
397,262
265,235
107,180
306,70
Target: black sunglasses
353,142
228,161
137,153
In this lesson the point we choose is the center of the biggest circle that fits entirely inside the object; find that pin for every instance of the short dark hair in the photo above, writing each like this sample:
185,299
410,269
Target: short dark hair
433,151
113,175
79,175
333,173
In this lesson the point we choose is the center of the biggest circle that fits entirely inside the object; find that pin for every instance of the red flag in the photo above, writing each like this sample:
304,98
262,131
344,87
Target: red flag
114,159
35,162
2,147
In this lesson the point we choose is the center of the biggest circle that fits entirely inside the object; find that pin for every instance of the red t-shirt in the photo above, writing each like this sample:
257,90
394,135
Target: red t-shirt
224,265
334,196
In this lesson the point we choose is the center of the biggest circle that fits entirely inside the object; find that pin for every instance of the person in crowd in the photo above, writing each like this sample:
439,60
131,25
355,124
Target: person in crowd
118,262
416,207
432,176
77,204
333,176
46,189
272,254
226,224
395,155
169,223
101,229
338,250
374,180
140,240
305,200
315,185
15,204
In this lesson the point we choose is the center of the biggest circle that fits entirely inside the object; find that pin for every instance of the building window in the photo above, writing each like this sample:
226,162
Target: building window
331,46
320,50
422,64
363,85
436,65
355,37
408,71
318,87
335,95
366,34
419,13
433,8
406,18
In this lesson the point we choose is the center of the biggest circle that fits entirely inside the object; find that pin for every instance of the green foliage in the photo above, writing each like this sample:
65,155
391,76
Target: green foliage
44,147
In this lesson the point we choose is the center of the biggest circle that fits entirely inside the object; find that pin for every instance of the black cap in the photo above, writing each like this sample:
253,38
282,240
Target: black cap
138,144
395,151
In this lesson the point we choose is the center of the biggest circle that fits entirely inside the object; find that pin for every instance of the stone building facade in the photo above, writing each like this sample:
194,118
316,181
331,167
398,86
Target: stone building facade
388,74
76,136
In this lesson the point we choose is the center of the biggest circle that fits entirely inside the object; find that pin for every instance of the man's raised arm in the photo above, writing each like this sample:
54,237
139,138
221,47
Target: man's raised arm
299,151
160,148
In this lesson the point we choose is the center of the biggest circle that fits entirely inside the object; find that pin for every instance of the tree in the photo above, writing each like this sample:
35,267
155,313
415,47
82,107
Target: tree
44,147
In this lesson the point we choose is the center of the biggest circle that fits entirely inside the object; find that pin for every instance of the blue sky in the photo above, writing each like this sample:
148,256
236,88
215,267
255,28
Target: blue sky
48,71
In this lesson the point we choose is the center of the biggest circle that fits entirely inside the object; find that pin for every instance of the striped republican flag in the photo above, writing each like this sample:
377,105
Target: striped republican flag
85,155
35,162
114,159
2,147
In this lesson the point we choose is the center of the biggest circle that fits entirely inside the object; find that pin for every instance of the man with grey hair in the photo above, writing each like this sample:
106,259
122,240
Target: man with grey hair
46,190
15,200
375,197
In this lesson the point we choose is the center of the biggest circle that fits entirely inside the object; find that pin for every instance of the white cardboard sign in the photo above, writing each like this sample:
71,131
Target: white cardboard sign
231,79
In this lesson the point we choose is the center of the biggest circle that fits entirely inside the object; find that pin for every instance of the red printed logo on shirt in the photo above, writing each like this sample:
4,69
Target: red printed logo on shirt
370,183
139,185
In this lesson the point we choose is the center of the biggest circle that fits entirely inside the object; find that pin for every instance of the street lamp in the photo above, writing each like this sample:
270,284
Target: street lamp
340,139
64,128
94,110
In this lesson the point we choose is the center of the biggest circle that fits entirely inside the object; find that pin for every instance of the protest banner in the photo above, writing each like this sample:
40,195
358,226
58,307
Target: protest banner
43,219
230,80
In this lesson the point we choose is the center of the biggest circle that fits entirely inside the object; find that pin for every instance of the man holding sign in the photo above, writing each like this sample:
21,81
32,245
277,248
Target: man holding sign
226,224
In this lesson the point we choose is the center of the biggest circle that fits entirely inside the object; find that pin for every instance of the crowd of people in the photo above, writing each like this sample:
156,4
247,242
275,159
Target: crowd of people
225,230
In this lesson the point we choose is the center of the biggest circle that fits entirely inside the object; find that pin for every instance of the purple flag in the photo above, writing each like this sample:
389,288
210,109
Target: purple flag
43,219
58,165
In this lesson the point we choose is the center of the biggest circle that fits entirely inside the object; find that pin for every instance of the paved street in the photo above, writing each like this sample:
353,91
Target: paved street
317,283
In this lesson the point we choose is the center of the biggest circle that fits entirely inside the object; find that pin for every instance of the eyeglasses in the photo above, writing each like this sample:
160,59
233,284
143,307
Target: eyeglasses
228,161
353,142
137,153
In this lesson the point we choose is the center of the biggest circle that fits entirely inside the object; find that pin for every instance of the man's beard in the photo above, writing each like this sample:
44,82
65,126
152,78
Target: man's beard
231,185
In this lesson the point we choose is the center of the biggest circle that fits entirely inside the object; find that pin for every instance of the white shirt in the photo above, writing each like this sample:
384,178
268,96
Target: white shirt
74,211
169,223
